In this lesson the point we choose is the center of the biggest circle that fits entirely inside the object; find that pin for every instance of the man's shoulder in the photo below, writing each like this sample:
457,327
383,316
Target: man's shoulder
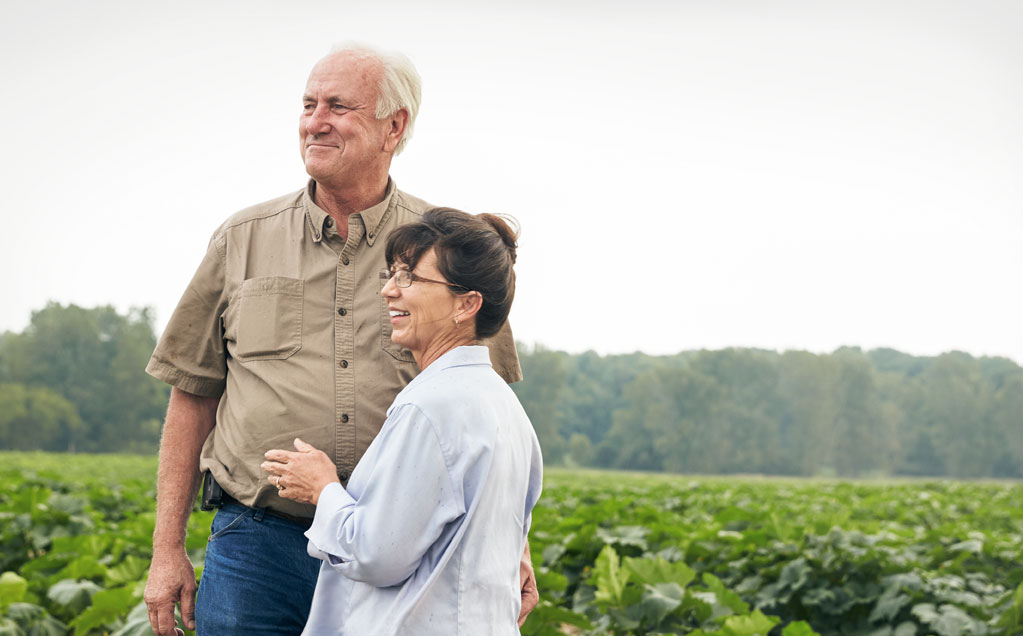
408,204
291,202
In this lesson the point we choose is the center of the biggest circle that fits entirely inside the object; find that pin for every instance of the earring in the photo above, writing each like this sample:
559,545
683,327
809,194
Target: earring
456,322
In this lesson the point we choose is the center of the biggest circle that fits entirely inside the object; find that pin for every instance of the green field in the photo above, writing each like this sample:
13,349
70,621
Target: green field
615,553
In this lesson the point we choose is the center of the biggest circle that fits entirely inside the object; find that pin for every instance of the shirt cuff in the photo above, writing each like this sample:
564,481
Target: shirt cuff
322,534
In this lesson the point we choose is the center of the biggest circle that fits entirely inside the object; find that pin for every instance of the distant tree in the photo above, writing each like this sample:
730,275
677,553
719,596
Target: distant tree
860,443
540,392
807,388
1006,418
955,411
95,359
668,423
36,418
580,449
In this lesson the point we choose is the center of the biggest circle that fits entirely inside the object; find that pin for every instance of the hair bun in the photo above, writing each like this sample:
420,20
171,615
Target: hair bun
506,227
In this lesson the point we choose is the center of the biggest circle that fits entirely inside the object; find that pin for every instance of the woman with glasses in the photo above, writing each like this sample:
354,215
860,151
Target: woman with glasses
428,536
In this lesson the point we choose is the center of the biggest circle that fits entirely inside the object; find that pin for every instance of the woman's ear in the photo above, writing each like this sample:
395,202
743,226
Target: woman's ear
469,304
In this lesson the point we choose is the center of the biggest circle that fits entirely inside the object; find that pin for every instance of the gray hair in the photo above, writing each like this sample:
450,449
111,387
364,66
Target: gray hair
400,86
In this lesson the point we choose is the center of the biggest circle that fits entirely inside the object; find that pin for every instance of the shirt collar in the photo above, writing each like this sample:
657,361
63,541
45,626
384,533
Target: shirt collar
464,356
372,217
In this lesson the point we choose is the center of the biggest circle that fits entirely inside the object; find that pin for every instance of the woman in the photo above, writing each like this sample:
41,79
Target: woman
428,536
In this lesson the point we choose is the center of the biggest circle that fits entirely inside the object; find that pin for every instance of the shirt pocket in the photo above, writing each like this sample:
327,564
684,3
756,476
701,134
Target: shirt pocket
268,319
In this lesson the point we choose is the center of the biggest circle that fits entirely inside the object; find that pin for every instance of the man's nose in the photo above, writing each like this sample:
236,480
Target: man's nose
318,122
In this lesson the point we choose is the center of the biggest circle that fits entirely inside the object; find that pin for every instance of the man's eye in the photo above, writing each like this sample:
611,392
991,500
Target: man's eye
308,106
339,108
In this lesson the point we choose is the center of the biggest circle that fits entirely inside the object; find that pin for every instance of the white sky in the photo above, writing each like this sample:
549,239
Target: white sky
687,174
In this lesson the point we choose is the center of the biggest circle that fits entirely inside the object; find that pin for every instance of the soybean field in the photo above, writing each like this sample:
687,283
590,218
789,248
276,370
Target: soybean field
615,553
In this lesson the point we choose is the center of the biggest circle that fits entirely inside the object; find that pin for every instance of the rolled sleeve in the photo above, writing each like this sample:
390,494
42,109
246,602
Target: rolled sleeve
190,355
381,536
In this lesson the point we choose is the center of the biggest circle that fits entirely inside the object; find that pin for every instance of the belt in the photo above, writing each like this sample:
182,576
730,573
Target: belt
304,521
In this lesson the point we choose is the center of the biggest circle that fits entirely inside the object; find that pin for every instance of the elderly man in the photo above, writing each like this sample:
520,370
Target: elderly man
282,333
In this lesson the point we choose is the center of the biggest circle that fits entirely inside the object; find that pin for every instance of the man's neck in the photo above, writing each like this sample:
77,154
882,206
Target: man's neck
339,204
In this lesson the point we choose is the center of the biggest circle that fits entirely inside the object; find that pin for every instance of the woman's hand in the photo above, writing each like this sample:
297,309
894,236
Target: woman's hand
300,475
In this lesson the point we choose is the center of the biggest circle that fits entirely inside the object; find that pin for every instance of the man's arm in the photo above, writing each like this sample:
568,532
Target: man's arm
527,582
190,418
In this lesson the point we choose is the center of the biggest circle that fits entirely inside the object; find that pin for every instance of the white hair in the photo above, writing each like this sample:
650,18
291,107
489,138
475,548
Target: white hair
400,86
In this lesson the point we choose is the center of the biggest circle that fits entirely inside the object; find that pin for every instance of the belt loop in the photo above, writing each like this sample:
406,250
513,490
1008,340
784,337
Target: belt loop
258,516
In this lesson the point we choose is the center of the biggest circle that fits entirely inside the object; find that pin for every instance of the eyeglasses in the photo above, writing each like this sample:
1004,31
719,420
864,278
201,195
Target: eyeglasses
404,278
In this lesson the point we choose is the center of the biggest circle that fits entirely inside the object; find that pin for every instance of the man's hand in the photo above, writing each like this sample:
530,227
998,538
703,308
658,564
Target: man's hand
527,582
300,475
171,580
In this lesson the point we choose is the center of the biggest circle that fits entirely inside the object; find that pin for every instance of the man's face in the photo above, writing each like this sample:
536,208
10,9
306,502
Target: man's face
340,138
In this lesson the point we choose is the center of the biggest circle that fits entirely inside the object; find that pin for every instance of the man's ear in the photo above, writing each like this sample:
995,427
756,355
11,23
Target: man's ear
398,121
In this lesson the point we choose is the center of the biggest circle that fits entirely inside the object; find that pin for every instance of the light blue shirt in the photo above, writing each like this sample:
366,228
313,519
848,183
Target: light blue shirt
429,535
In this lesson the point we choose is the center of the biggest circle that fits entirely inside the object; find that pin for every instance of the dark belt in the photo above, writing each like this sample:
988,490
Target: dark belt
303,521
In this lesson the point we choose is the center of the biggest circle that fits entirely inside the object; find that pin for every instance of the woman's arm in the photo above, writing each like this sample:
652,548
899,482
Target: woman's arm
407,498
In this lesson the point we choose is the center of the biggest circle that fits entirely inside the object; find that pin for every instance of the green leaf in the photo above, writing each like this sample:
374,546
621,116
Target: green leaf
107,607
661,599
12,589
755,624
906,628
548,582
948,620
726,597
700,609
888,607
84,567
798,628
795,575
34,621
75,595
9,628
973,546
131,569
659,571
624,536
137,623
1012,618
609,577
544,618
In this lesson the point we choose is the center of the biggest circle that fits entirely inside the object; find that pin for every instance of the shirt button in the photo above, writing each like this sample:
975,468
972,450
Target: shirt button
344,364
345,260
341,311
344,418
343,476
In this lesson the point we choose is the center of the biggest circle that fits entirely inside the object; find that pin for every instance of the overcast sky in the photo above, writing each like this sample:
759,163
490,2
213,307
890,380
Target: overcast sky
785,175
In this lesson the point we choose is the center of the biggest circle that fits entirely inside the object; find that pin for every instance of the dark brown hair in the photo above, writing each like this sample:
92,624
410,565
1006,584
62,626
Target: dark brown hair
473,252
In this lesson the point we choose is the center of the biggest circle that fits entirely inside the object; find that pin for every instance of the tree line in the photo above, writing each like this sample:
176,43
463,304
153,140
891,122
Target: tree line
74,380
851,413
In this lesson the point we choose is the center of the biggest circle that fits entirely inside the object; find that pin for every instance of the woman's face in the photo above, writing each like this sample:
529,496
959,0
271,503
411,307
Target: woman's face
423,314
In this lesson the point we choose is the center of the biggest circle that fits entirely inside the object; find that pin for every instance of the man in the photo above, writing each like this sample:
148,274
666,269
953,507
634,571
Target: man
282,333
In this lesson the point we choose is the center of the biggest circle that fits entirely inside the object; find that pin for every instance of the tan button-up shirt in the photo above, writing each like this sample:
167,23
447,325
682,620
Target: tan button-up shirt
284,321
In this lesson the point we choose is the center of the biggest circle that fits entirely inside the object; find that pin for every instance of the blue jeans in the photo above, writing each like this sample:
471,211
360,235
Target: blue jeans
258,577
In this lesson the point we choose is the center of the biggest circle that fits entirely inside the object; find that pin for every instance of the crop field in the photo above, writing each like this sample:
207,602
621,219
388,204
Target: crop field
615,553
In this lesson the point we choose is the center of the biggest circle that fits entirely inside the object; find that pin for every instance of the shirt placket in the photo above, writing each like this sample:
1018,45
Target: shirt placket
344,352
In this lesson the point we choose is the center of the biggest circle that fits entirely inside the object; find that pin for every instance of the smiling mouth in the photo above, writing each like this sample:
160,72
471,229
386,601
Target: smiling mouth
397,314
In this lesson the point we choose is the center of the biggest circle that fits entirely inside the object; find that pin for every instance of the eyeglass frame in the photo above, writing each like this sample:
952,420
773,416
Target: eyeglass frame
386,275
